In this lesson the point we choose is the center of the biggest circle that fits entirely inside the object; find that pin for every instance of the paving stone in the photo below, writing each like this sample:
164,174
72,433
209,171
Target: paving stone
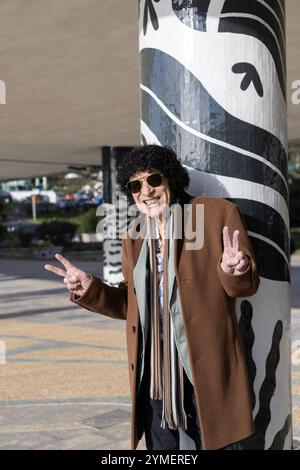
108,419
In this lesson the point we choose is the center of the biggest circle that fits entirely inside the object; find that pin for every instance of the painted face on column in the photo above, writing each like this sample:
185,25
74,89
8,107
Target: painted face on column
153,194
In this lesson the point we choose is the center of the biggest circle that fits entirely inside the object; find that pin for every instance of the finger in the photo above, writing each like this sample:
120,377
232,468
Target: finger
71,279
55,270
67,264
240,255
242,265
75,290
226,240
232,262
72,286
235,241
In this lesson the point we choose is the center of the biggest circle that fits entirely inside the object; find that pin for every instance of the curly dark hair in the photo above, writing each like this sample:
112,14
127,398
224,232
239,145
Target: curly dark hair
150,157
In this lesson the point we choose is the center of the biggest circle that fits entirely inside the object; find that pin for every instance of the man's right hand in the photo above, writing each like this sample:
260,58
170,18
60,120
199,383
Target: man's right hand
77,281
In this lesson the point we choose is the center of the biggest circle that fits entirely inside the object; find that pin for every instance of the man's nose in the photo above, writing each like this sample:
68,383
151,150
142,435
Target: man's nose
146,188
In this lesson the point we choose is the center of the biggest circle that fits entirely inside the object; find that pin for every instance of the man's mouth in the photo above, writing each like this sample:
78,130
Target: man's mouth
151,202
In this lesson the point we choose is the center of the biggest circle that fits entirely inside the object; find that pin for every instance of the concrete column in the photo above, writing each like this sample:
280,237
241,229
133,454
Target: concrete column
213,87
116,217
45,183
106,169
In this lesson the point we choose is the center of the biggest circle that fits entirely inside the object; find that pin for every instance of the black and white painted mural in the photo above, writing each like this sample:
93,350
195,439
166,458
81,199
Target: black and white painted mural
115,224
112,244
213,87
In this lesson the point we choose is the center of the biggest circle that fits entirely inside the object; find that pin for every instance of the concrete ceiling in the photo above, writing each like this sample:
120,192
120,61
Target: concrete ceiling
72,76
71,72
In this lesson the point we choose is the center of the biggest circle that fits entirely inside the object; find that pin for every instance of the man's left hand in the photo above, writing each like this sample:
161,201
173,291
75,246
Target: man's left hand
233,261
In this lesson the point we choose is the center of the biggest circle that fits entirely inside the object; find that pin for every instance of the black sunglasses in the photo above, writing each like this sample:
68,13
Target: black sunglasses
153,180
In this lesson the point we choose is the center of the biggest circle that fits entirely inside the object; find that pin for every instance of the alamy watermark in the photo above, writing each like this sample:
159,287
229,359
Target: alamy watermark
2,352
121,221
295,98
2,92
296,352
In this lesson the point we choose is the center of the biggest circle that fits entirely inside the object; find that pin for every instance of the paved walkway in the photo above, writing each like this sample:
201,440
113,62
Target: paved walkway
64,384
65,381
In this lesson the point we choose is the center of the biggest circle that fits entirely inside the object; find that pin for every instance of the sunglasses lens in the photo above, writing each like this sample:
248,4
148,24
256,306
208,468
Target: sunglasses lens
154,180
134,186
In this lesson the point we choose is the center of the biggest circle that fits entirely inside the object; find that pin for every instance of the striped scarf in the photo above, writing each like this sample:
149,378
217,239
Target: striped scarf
166,368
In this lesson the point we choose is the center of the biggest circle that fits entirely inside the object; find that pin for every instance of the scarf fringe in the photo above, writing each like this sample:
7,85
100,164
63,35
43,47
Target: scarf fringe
167,377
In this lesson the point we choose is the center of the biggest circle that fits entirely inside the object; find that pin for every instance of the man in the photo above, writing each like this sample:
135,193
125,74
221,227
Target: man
187,367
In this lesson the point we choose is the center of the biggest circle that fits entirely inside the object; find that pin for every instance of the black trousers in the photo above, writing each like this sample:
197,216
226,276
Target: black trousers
149,414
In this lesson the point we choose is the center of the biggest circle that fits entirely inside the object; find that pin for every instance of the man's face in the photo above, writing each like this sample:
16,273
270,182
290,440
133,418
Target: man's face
151,200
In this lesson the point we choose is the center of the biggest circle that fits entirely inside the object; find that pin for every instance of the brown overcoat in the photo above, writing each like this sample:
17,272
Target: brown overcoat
207,297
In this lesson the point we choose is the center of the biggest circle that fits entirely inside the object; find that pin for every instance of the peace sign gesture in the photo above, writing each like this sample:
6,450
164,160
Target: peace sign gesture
233,261
77,281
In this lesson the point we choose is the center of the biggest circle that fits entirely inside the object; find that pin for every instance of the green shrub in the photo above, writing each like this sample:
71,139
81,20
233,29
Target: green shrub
17,239
58,232
89,221
3,233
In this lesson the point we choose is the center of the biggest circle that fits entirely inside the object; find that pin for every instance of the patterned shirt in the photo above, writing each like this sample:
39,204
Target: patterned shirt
160,280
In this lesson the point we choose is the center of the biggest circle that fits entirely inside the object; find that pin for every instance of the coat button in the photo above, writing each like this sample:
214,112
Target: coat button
132,366
133,329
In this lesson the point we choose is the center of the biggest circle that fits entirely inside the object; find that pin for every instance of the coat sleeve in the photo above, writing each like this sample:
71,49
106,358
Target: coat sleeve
104,299
245,284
